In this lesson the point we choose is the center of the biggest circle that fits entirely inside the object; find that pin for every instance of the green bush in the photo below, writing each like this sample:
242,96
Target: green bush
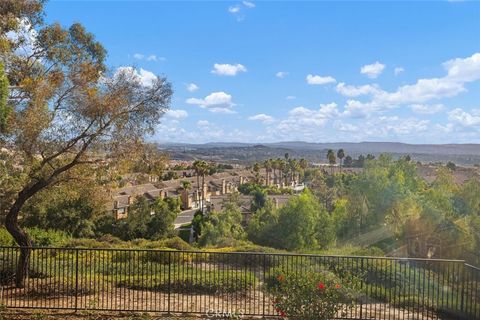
47,238
193,281
5,238
39,237
312,295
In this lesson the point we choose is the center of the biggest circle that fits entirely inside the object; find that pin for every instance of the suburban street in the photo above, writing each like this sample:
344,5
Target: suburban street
184,217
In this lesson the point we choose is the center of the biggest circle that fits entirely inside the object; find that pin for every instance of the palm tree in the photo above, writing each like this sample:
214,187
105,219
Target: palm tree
276,166
186,185
197,167
256,172
341,155
204,169
303,165
268,168
294,169
332,159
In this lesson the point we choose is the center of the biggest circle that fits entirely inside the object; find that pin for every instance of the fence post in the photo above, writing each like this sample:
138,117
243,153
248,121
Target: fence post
76,280
462,281
361,287
264,285
169,282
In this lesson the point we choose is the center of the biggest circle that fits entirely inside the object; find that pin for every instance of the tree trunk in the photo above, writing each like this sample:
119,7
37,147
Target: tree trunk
22,239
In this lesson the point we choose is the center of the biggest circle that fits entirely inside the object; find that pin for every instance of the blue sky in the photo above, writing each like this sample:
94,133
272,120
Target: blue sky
268,71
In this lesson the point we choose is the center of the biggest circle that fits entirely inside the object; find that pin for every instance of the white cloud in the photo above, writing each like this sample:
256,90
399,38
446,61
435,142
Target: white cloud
459,72
319,80
150,57
300,117
291,98
353,91
398,70
145,77
372,70
464,69
398,126
358,109
192,87
248,4
427,109
203,123
262,117
222,110
234,9
345,126
467,119
138,56
176,113
281,74
216,102
228,69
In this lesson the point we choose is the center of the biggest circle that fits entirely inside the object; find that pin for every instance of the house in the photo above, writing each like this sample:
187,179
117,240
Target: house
124,197
217,202
215,185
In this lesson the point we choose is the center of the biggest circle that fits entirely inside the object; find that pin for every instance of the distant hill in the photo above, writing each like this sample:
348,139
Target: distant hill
463,154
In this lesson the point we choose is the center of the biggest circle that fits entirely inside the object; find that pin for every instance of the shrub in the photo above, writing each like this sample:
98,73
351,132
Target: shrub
313,294
186,281
47,238
5,238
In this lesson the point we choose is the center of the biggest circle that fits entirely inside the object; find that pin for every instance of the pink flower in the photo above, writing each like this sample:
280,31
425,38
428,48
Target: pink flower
337,286
321,286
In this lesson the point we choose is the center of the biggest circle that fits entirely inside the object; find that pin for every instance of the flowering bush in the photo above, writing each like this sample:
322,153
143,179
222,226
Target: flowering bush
315,295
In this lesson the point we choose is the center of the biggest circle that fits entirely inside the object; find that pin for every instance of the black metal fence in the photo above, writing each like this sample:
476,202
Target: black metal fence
217,283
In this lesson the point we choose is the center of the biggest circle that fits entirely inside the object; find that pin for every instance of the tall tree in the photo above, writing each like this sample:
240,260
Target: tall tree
5,108
341,155
197,168
268,169
67,109
332,159
303,165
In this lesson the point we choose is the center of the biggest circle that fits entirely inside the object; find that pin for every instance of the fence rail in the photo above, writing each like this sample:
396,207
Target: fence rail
197,282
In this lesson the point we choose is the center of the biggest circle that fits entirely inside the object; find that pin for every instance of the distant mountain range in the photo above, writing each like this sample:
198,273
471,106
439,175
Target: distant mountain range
467,154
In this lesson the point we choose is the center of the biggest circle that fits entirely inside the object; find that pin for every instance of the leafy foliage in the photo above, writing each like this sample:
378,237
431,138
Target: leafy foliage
311,295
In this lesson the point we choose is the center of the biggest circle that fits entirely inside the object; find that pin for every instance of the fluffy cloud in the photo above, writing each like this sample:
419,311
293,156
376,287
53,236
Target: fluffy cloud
372,70
192,87
203,123
281,74
228,69
459,72
234,9
467,119
150,57
238,10
248,4
262,117
398,70
176,114
319,80
145,77
427,109
353,91
303,119
464,69
217,102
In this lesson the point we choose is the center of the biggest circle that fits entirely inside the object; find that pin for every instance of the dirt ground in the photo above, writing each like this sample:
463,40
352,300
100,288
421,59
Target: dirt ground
51,315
